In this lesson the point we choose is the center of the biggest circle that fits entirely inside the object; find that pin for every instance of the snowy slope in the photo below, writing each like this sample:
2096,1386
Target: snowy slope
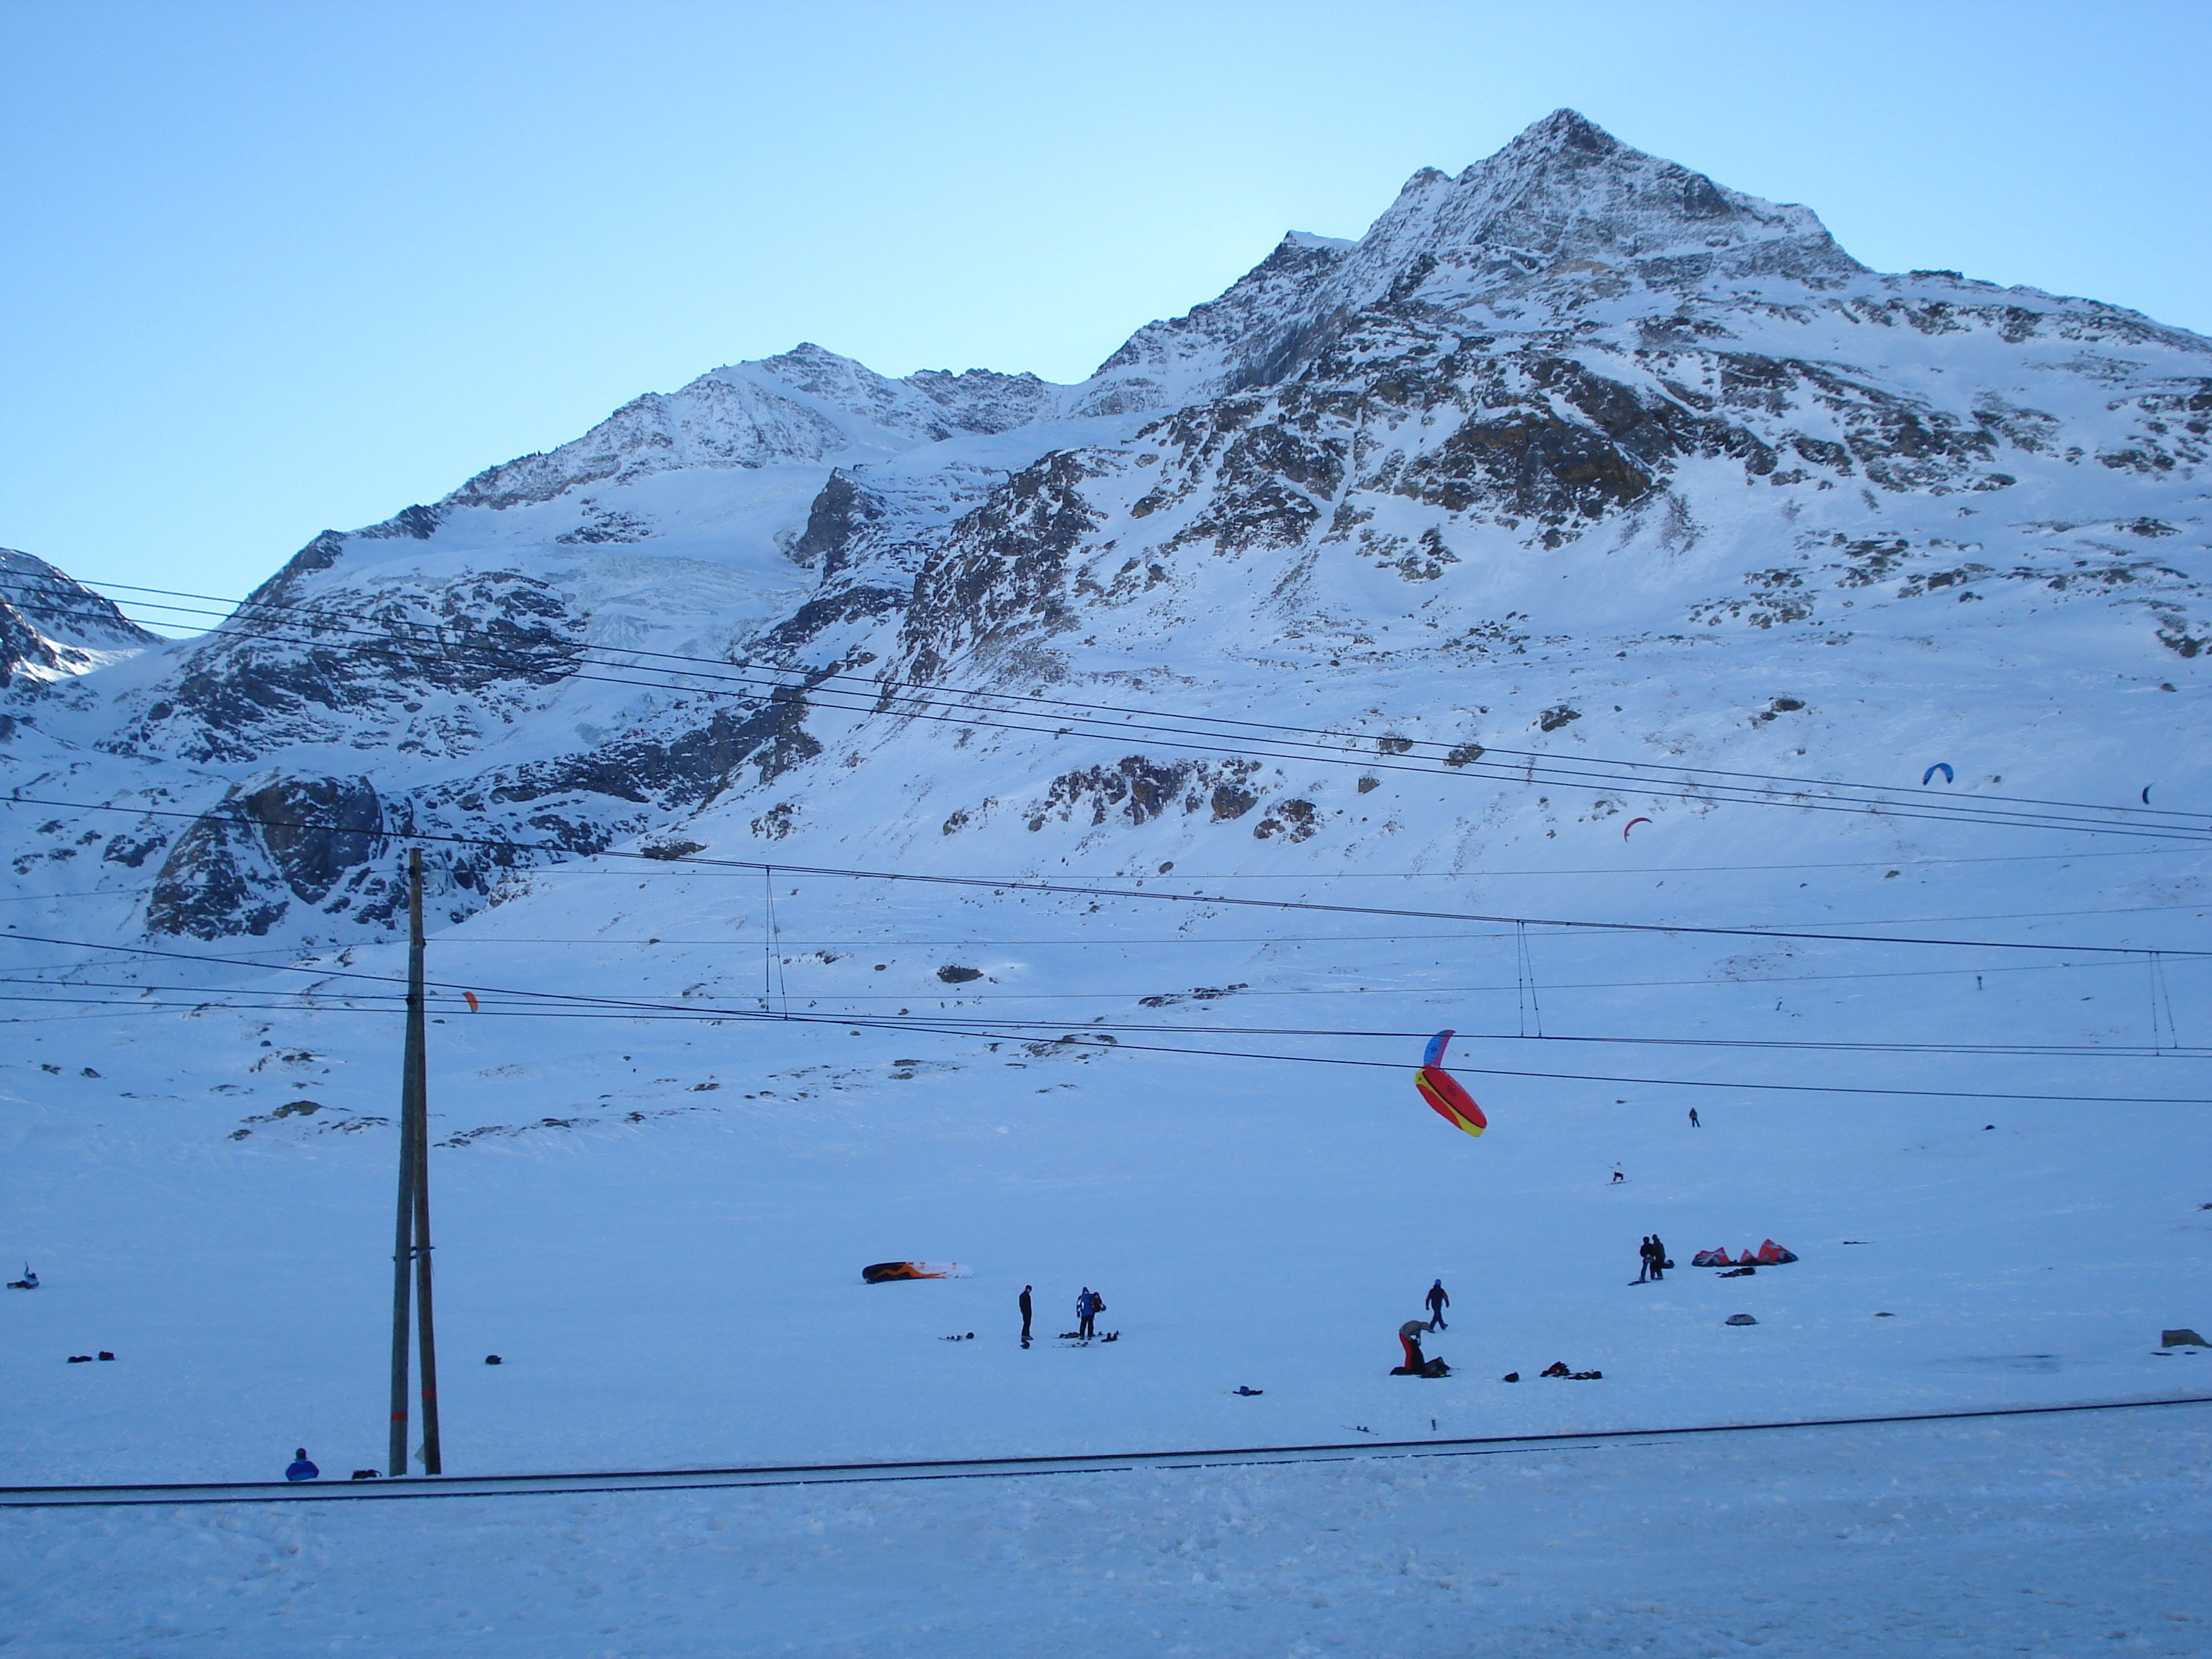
1576,453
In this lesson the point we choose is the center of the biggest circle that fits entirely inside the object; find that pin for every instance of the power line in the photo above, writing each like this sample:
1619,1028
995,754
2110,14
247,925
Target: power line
1704,982
489,1000
55,898
1003,884
981,1031
1690,784
972,942
880,686
1038,1044
1897,863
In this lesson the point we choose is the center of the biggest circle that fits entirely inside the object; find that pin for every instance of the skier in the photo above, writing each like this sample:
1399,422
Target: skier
1086,1309
1617,1176
1439,1301
1025,1315
301,1468
1694,1124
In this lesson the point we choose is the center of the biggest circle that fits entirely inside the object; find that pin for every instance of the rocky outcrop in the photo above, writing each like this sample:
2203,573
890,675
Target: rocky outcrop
240,866
53,627
421,669
1002,572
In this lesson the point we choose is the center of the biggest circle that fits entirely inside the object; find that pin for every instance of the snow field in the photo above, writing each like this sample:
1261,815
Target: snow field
2053,1535
681,1287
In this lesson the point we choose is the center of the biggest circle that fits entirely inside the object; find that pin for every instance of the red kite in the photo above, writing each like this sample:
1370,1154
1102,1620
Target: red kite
1443,1091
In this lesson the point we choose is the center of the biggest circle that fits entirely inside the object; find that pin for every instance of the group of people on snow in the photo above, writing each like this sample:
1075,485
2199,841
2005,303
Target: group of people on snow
1088,1306
1654,1259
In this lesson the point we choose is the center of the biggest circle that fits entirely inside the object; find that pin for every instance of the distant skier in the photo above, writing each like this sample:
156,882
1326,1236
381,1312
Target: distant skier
1439,1301
301,1468
1025,1315
1086,1310
1617,1176
1694,1124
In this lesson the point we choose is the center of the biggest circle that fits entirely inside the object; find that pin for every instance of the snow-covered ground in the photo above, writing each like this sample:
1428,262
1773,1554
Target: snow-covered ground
658,1223
2052,1535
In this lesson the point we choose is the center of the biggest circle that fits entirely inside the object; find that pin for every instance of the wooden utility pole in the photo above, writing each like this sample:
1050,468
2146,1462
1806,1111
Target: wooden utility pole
411,1233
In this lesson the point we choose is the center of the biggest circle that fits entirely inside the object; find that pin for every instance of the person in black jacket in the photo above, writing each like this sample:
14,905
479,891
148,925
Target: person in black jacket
1658,1258
1025,1315
1439,1301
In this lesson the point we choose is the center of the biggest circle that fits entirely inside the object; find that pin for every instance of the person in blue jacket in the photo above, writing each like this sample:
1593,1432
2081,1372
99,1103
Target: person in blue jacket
301,1468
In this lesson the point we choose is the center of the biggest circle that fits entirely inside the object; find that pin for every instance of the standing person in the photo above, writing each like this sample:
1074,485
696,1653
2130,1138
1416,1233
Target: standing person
1658,1257
1694,1124
1085,1313
1644,1254
1439,1301
1025,1315
1617,1176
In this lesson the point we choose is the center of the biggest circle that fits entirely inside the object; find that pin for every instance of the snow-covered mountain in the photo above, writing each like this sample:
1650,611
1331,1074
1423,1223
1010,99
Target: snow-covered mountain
1576,459
53,628
1576,394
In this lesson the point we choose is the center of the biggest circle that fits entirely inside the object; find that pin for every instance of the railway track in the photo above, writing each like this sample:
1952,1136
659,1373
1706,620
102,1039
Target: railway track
972,1469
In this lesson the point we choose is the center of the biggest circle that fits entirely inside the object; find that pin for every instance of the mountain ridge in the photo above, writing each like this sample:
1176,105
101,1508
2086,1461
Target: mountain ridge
1572,362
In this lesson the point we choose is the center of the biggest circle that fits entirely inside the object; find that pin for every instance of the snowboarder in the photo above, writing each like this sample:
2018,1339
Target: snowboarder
1025,1315
1617,1176
301,1468
1694,1124
30,1281
1439,1301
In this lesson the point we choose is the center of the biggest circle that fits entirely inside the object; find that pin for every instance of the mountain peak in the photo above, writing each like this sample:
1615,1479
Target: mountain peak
1563,130
1565,191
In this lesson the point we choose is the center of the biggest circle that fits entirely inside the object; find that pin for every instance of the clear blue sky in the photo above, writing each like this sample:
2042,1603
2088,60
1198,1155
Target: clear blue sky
271,268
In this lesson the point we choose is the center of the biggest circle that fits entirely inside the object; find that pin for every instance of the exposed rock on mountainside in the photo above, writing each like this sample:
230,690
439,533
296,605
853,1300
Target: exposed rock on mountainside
1574,410
53,627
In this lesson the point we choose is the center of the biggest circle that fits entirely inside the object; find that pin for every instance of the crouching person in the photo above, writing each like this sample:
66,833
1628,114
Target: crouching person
1417,1363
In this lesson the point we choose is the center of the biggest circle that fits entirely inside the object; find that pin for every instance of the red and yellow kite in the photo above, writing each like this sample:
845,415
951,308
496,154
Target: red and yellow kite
1442,1090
